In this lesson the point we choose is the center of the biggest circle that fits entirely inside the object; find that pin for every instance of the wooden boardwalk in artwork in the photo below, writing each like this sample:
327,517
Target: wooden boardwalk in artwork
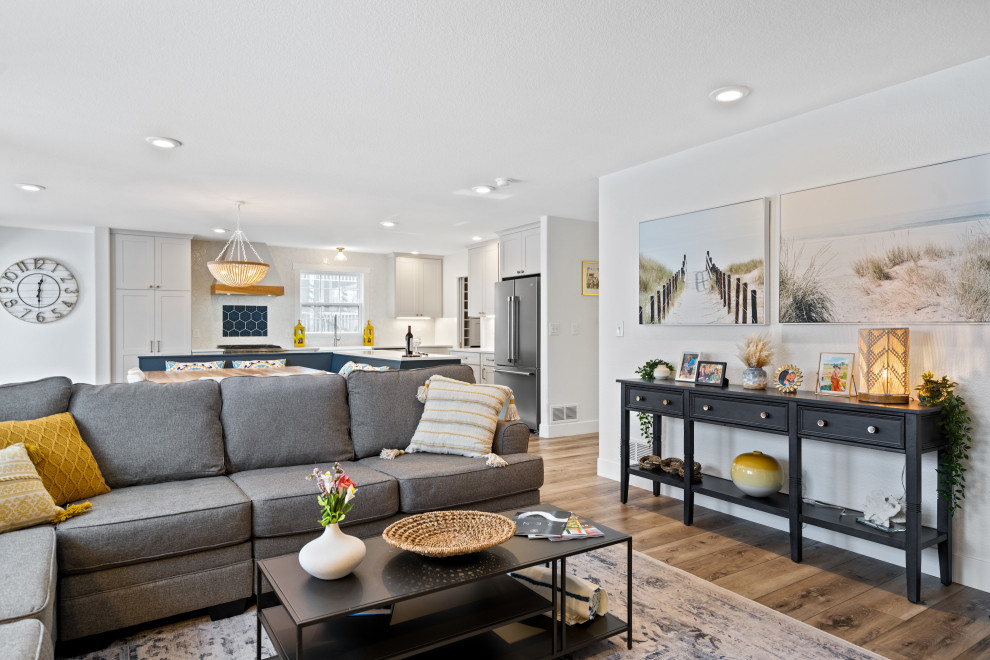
697,303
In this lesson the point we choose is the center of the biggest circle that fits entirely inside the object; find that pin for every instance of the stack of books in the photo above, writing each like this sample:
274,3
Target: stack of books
554,526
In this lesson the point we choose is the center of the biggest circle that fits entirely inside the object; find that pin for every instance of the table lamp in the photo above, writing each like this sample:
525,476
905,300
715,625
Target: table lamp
883,365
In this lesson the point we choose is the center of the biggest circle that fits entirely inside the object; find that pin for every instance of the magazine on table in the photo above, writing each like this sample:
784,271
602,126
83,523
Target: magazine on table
577,528
541,524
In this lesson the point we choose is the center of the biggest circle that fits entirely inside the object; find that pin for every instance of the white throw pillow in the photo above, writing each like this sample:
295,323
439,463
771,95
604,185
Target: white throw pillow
458,418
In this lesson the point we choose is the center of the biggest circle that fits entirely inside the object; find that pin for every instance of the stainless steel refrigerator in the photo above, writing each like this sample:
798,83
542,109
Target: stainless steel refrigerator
517,344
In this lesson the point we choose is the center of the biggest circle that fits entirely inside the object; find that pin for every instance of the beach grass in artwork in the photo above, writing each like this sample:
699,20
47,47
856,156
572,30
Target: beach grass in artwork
704,267
911,246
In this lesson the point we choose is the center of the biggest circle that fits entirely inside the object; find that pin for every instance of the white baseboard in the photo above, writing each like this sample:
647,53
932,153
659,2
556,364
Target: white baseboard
560,429
968,571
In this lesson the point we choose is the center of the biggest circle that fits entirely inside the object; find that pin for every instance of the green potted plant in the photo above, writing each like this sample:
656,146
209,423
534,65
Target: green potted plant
650,371
956,427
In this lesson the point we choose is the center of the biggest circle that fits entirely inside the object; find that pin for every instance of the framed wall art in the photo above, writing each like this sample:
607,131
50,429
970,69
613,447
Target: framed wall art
835,372
589,278
906,247
706,267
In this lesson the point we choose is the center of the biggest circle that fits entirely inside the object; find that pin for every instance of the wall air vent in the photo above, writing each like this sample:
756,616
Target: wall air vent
565,413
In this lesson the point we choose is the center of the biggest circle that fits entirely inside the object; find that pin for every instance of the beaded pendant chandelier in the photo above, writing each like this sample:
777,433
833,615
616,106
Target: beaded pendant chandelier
232,266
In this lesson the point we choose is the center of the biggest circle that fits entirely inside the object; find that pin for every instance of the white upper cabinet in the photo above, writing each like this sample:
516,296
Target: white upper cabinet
418,286
152,262
482,276
520,252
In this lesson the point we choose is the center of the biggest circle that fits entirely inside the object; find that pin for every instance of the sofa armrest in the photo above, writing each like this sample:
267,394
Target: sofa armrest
510,438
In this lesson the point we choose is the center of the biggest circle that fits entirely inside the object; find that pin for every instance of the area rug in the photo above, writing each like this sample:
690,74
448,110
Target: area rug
675,615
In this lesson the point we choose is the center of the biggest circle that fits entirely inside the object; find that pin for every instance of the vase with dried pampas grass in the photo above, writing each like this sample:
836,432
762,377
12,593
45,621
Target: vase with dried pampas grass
756,352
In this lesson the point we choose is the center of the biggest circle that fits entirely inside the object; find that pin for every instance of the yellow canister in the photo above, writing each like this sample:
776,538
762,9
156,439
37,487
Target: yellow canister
757,474
299,335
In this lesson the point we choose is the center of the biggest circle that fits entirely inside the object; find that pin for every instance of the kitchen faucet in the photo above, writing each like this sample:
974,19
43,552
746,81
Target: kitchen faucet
336,337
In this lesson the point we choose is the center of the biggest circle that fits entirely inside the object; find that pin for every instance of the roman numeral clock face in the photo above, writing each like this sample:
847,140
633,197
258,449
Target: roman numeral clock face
38,290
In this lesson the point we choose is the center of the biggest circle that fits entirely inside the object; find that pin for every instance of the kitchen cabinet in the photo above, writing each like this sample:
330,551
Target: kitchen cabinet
488,368
519,252
482,364
152,298
482,276
418,287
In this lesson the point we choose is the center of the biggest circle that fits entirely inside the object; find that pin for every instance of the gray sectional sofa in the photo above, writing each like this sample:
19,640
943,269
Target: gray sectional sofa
208,477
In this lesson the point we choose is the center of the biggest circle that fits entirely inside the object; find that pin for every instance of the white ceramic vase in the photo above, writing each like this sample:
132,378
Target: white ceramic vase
332,555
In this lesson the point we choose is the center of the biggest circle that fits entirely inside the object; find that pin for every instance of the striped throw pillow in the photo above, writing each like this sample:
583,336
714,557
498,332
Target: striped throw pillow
459,418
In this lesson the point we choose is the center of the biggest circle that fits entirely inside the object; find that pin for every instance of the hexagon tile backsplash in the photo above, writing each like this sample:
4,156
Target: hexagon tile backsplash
245,321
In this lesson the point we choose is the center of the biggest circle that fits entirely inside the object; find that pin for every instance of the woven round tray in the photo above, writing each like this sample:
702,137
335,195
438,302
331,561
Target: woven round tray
449,533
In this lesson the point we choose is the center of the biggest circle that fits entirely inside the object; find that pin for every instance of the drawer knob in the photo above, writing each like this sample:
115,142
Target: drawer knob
821,422
640,398
706,407
871,429
764,415
666,402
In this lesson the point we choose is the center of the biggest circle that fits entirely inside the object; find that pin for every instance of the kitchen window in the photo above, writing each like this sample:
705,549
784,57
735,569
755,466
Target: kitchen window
324,295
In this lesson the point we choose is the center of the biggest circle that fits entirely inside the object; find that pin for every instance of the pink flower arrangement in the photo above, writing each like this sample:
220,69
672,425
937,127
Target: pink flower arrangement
336,492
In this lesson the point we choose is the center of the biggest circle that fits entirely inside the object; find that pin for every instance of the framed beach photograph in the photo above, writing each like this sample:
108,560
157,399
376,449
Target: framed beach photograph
835,373
905,247
589,278
711,373
688,367
705,267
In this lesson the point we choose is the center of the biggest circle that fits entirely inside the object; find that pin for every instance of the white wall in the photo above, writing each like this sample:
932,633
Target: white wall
569,360
67,347
283,311
929,120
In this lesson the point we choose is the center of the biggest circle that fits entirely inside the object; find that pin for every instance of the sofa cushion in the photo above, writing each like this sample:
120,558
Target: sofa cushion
24,501
145,433
144,523
65,463
276,422
34,399
458,418
26,640
384,408
27,575
428,482
284,502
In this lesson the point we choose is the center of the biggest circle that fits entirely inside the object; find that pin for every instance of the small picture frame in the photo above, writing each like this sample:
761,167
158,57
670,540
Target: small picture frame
788,378
688,367
589,278
835,373
711,374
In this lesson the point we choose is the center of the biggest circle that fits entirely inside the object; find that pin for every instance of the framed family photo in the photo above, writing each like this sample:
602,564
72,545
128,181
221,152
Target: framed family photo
835,374
711,373
688,367
589,278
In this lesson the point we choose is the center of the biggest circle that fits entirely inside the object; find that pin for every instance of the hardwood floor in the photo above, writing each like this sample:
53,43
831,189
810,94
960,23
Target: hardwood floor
855,597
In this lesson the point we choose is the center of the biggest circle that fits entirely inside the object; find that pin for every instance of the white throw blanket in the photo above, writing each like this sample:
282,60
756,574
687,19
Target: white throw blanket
585,600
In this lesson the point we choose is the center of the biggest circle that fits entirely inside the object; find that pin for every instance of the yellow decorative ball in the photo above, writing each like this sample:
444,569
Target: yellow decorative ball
757,474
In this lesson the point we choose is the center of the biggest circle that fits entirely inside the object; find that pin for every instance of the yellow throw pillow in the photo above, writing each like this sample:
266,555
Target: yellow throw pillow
24,502
458,418
65,463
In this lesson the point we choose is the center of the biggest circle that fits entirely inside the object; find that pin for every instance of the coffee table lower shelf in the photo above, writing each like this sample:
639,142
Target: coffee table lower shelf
428,622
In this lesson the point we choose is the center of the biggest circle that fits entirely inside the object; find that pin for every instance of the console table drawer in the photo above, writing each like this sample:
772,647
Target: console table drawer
665,403
883,430
764,415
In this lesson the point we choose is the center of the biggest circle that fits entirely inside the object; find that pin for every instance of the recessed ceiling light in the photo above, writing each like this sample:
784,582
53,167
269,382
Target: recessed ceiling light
729,94
220,231
387,223
30,187
483,190
414,252
476,238
163,142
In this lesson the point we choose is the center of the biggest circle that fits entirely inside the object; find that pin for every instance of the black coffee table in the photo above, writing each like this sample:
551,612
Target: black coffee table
455,603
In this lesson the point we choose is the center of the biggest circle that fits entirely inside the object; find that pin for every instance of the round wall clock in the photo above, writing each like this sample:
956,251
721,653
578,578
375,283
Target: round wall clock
38,290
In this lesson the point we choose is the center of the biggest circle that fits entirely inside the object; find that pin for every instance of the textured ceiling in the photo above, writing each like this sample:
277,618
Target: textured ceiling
329,117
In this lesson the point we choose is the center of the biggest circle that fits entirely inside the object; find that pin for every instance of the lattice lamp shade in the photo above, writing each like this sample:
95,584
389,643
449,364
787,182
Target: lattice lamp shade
883,365
238,273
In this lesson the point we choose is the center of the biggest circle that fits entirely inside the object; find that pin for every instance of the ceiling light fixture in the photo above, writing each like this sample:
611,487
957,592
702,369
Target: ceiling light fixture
729,94
476,238
30,187
163,142
236,269
483,190
502,181
387,223
340,256
414,252
220,231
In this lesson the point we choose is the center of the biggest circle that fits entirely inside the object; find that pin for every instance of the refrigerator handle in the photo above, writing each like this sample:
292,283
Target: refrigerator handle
508,325
515,329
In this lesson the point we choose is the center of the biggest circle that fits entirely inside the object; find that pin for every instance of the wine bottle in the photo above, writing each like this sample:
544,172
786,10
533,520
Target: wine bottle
409,338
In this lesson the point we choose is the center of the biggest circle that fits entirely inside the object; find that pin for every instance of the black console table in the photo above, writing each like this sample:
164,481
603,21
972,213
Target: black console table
910,430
